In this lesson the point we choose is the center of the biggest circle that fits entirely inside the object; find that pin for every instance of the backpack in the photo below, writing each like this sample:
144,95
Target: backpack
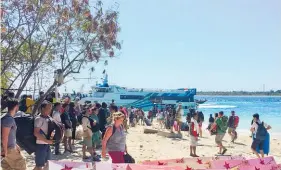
188,117
22,105
25,129
223,127
261,131
236,121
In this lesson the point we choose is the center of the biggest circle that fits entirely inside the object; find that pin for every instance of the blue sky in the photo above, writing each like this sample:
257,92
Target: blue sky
210,45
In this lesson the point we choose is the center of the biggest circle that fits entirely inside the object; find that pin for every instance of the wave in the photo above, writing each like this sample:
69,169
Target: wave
210,106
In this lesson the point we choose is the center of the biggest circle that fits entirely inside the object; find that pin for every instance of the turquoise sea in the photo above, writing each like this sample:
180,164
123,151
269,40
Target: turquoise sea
269,109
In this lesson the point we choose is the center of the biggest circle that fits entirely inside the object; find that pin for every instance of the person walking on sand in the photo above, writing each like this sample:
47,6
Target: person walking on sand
179,114
221,125
194,130
259,130
114,140
232,126
12,157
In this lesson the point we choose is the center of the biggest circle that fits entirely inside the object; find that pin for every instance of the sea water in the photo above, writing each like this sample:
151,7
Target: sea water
269,109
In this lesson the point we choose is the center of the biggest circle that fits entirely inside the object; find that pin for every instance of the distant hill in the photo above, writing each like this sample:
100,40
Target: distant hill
240,93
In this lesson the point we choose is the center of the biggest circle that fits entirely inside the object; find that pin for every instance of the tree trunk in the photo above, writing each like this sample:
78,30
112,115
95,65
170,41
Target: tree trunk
38,102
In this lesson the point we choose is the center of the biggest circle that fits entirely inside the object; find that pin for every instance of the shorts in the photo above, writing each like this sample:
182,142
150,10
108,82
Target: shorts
230,130
14,160
257,143
88,142
42,154
193,141
68,133
219,138
117,156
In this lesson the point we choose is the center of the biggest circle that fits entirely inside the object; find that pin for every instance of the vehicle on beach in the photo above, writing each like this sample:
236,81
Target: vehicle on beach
140,98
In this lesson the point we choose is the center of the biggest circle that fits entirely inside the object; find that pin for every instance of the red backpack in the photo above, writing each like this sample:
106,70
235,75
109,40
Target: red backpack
236,121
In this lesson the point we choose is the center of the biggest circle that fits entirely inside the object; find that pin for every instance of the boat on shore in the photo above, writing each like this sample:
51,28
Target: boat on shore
139,98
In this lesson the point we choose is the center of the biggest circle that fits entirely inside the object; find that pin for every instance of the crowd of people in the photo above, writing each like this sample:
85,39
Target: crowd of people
106,127
102,126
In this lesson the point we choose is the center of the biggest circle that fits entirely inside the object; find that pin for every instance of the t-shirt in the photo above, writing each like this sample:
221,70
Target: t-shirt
9,122
219,123
42,123
255,127
29,104
56,116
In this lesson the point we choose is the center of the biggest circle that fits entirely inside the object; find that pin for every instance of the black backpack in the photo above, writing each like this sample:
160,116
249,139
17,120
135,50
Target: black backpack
261,131
25,129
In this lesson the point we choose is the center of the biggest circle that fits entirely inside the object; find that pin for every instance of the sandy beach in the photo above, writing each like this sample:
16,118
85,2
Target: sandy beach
152,146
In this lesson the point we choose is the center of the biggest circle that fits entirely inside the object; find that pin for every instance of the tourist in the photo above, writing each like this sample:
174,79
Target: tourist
160,118
10,152
57,117
221,125
43,151
142,116
194,130
95,127
87,134
65,119
114,140
29,104
211,119
73,118
259,130
112,109
125,123
103,114
232,127
200,121
179,114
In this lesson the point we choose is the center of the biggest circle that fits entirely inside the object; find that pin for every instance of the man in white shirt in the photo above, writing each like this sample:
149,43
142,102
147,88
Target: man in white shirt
259,130
43,151
56,117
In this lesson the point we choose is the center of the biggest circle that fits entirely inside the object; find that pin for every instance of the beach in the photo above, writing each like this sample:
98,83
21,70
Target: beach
154,147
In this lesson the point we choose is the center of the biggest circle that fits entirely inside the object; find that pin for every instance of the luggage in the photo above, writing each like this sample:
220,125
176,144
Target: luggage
25,128
236,121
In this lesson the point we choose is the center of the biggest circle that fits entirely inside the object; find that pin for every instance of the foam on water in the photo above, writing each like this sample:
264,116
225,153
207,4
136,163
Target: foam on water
215,106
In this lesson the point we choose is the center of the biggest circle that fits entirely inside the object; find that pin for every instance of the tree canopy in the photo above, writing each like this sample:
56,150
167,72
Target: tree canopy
54,34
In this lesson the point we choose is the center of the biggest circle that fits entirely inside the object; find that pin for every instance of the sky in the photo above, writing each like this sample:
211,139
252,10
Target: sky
213,45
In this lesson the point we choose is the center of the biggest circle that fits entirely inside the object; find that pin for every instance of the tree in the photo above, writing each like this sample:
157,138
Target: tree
58,34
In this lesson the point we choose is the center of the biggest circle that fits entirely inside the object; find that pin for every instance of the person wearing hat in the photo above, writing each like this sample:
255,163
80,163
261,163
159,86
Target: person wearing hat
114,140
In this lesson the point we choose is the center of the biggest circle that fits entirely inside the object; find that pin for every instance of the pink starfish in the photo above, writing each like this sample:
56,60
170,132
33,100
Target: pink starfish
199,161
226,165
67,168
187,168
262,162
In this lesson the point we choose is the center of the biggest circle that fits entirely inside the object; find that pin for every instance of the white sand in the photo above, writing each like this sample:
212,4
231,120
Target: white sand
151,146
